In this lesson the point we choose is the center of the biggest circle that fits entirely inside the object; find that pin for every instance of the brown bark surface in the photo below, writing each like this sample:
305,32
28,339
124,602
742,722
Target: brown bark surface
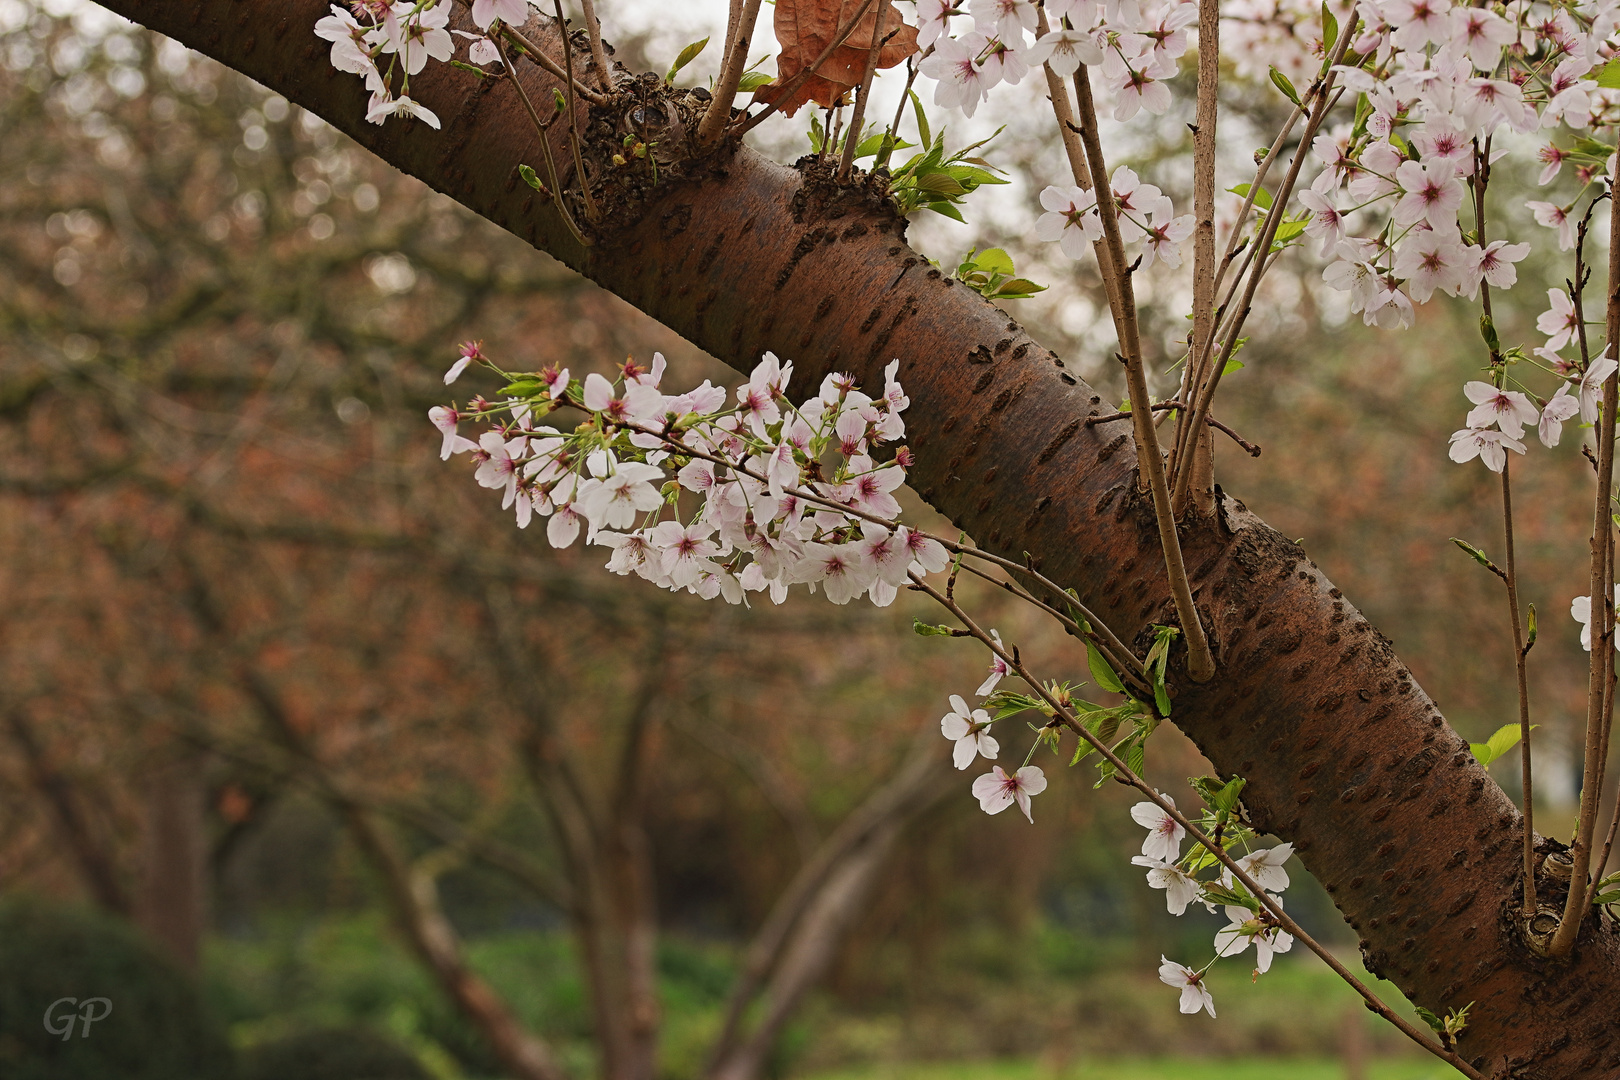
1345,754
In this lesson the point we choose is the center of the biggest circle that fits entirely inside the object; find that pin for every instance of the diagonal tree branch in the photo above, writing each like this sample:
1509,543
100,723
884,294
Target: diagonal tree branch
1345,755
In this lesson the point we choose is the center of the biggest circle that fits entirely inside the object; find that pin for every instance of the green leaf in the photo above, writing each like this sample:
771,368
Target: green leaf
1161,696
1487,330
1287,230
478,71
1330,30
1231,366
1262,198
941,183
1281,82
1016,289
530,178
752,80
1432,1020
923,133
994,260
1505,739
1530,638
1608,76
923,629
687,55
1104,676
1478,556
522,388
1235,896
1136,758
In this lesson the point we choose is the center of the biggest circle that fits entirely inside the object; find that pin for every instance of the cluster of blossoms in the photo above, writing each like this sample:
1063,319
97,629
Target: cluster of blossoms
1434,84
776,494
1135,46
1249,922
380,41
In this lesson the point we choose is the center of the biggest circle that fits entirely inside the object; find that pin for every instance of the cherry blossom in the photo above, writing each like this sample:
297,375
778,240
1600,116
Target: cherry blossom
485,12
999,669
1065,50
1180,887
996,791
1555,217
1562,407
1590,387
969,729
1580,609
446,420
1164,832
1491,447
1194,994
1004,19
1071,219
933,21
1507,409
383,106
1245,929
1266,867
955,64
1559,322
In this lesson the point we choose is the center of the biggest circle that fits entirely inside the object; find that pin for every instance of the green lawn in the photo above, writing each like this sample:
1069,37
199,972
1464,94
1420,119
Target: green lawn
1145,1069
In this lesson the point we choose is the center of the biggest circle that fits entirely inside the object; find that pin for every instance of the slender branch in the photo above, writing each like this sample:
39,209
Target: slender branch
1520,652
791,87
738,38
1260,256
1167,407
1510,576
1200,663
1603,863
1599,703
1188,439
593,33
546,63
1215,848
861,96
545,150
592,213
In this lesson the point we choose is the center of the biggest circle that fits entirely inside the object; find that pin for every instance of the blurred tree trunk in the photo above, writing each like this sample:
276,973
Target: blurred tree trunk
1344,754
90,852
172,902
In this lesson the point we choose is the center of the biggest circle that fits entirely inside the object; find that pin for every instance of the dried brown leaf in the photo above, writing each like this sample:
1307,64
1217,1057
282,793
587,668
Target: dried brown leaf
804,29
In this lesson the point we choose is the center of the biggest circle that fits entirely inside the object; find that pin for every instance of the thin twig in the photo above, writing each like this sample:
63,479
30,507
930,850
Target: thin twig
1168,407
1598,700
791,87
1479,183
1124,772
738,38
1204,391
887,149
1200,663
551,67
591,212
1187,441
593,33
859,116
545,148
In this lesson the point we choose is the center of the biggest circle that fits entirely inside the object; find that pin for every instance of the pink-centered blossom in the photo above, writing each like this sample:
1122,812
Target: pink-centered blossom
1432,193
1489,445
1557,217
1071,219
996,791
1180,888
969,729
1559,322
1194,994
1065,50
999,669
1246,928
1164,832
1003,19
1563,406
1507,409
961,82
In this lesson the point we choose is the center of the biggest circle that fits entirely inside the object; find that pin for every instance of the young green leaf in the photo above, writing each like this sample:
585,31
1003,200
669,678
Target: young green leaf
1281,82
1505,738
530,178
922,118
687,55
923,629
1330,30
1608,76
1101,672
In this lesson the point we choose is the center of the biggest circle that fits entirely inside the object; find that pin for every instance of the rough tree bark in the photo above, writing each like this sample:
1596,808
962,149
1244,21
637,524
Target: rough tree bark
1345,755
